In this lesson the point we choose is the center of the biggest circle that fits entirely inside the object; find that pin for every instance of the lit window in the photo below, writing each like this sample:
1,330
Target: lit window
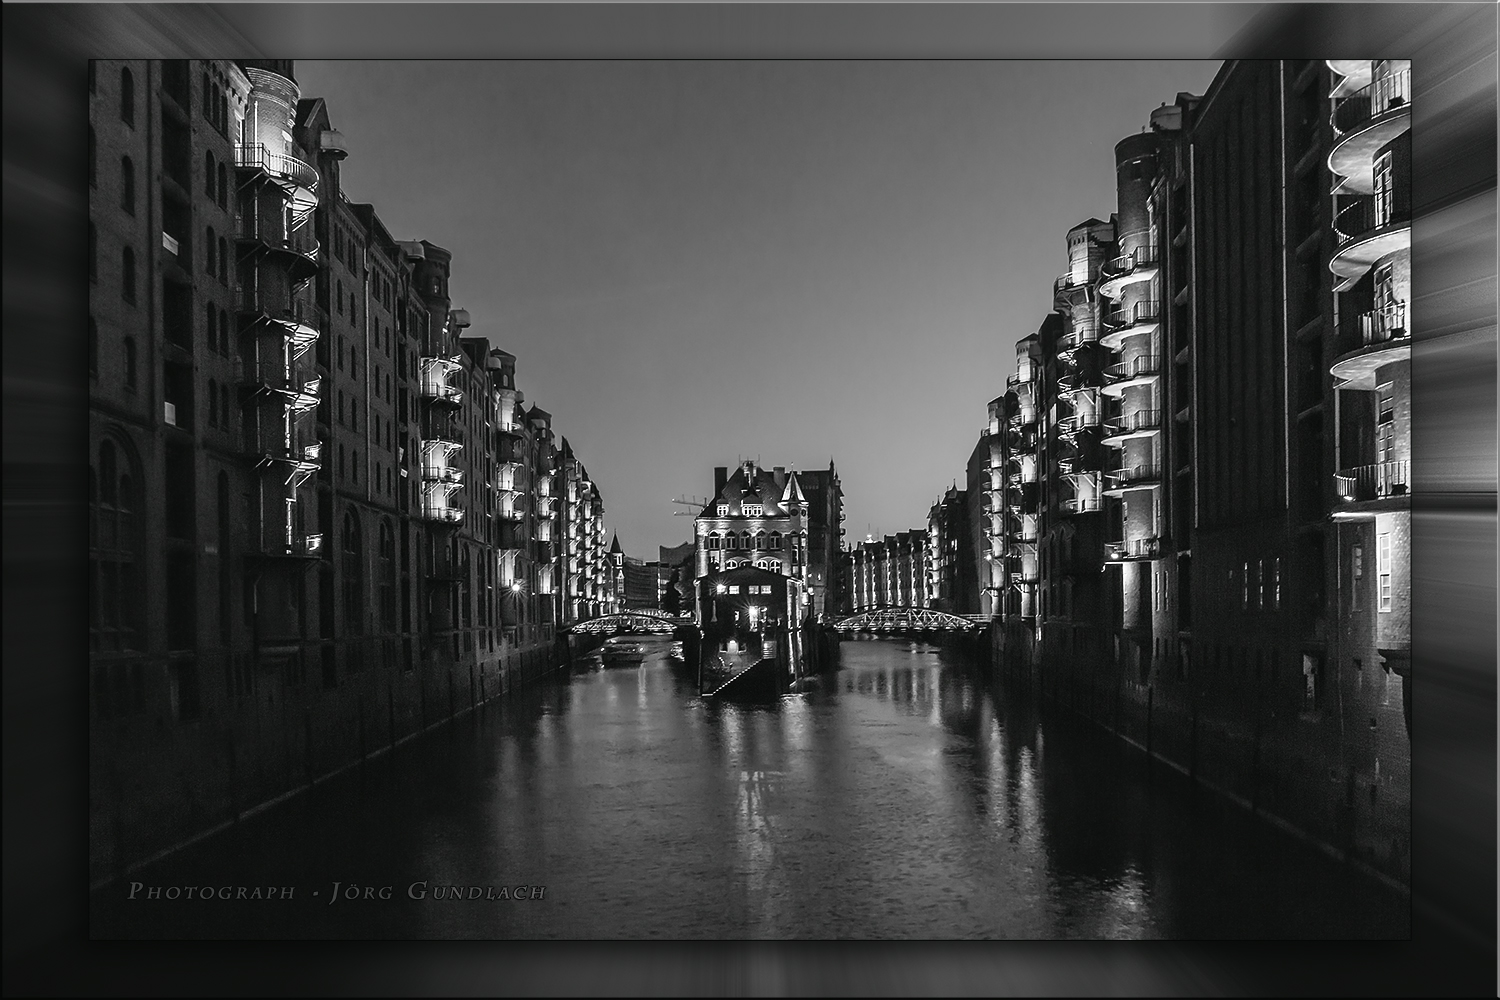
734,588
1357,574
723,510
752,509
1245,588
1385,190
1383,569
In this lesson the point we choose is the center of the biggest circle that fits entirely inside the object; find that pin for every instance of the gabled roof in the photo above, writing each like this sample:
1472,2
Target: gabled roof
614,546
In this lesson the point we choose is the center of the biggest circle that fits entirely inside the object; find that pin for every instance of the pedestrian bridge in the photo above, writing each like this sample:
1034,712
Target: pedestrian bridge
909,621
637,621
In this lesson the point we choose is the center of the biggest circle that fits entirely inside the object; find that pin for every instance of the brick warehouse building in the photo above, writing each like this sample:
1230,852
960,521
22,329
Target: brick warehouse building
320,519
1221,424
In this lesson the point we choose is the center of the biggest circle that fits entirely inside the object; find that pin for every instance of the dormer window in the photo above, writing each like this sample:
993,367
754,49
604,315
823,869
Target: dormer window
752,509
723,510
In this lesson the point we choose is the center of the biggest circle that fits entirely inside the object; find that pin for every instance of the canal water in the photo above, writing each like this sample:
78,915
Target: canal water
904,800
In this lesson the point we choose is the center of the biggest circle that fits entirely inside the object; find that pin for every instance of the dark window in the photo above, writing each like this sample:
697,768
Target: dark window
127,275
127,185
130,362
127,98
224,408
223,260
223,187
210,249
354,582
112,553
208,175
224,332
212,318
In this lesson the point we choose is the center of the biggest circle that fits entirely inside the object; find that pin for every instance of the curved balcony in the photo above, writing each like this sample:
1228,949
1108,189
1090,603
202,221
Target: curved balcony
1355,73
1133,550
1078,337
434,382
1082,505
1141,423
1068,284
1365,121
292,463
1367,490
279,382
1141,370
435,456
298,178
295,321
1119,324
1076,423
1139,265
296,251
1077,382
1023,417
1022,378
1024,580
1138,477
1366,236
1368,342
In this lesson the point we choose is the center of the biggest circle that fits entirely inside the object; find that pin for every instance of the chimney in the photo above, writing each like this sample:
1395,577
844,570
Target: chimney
721,476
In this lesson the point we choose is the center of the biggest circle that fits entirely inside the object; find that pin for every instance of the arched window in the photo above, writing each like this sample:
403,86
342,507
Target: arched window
387,577
208,174
130,362
775,540
223,187
224,567
746,542
127,184
93,348
354,577
210,249
93,160
212,326
224,332
760,539
113,553
223,261
127,275
127,97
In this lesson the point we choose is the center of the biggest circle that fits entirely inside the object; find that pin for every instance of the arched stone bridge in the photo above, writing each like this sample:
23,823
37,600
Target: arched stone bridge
909,621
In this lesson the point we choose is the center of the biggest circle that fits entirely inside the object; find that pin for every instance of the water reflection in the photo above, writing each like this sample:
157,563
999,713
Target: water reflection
904,800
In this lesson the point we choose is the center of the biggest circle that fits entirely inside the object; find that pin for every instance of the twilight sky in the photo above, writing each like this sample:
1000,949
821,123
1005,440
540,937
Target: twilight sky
789,260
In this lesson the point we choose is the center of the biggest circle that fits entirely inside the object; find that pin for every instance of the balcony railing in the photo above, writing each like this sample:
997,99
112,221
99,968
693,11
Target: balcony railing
298,547
1135,548
1082,505
1378,326
1136,475
438,472
1077,422
1138,367
1385,93
1141,256
438,511
1372,482
289,168
1066,282
273,234
435,387
1148,311
1361,217
1140,420
1024,376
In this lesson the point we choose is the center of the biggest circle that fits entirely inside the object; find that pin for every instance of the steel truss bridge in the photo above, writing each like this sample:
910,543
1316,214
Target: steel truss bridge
909,620
636,621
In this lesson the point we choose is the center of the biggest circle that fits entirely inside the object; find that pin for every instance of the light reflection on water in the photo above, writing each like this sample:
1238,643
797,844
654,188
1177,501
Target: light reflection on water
904,800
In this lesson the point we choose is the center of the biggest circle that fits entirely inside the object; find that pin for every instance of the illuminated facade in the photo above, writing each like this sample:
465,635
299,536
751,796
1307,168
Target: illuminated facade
952,575
318,519
1219,414
758,517
888,572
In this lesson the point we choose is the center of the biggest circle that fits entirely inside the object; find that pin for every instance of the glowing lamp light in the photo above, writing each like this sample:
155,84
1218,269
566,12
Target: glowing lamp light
721,588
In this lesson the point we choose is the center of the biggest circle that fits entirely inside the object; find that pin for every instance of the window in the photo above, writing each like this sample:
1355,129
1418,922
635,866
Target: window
1276,584
339,302
223,187
352,563
93,159
775,540
224,332
1245,588
1356,575
208,175
1385,428
127,98
113,550
223,261
127,185
1383,570
1312,682
341,407
210,248
224,408
723,510
130,363
1385,190
752,509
